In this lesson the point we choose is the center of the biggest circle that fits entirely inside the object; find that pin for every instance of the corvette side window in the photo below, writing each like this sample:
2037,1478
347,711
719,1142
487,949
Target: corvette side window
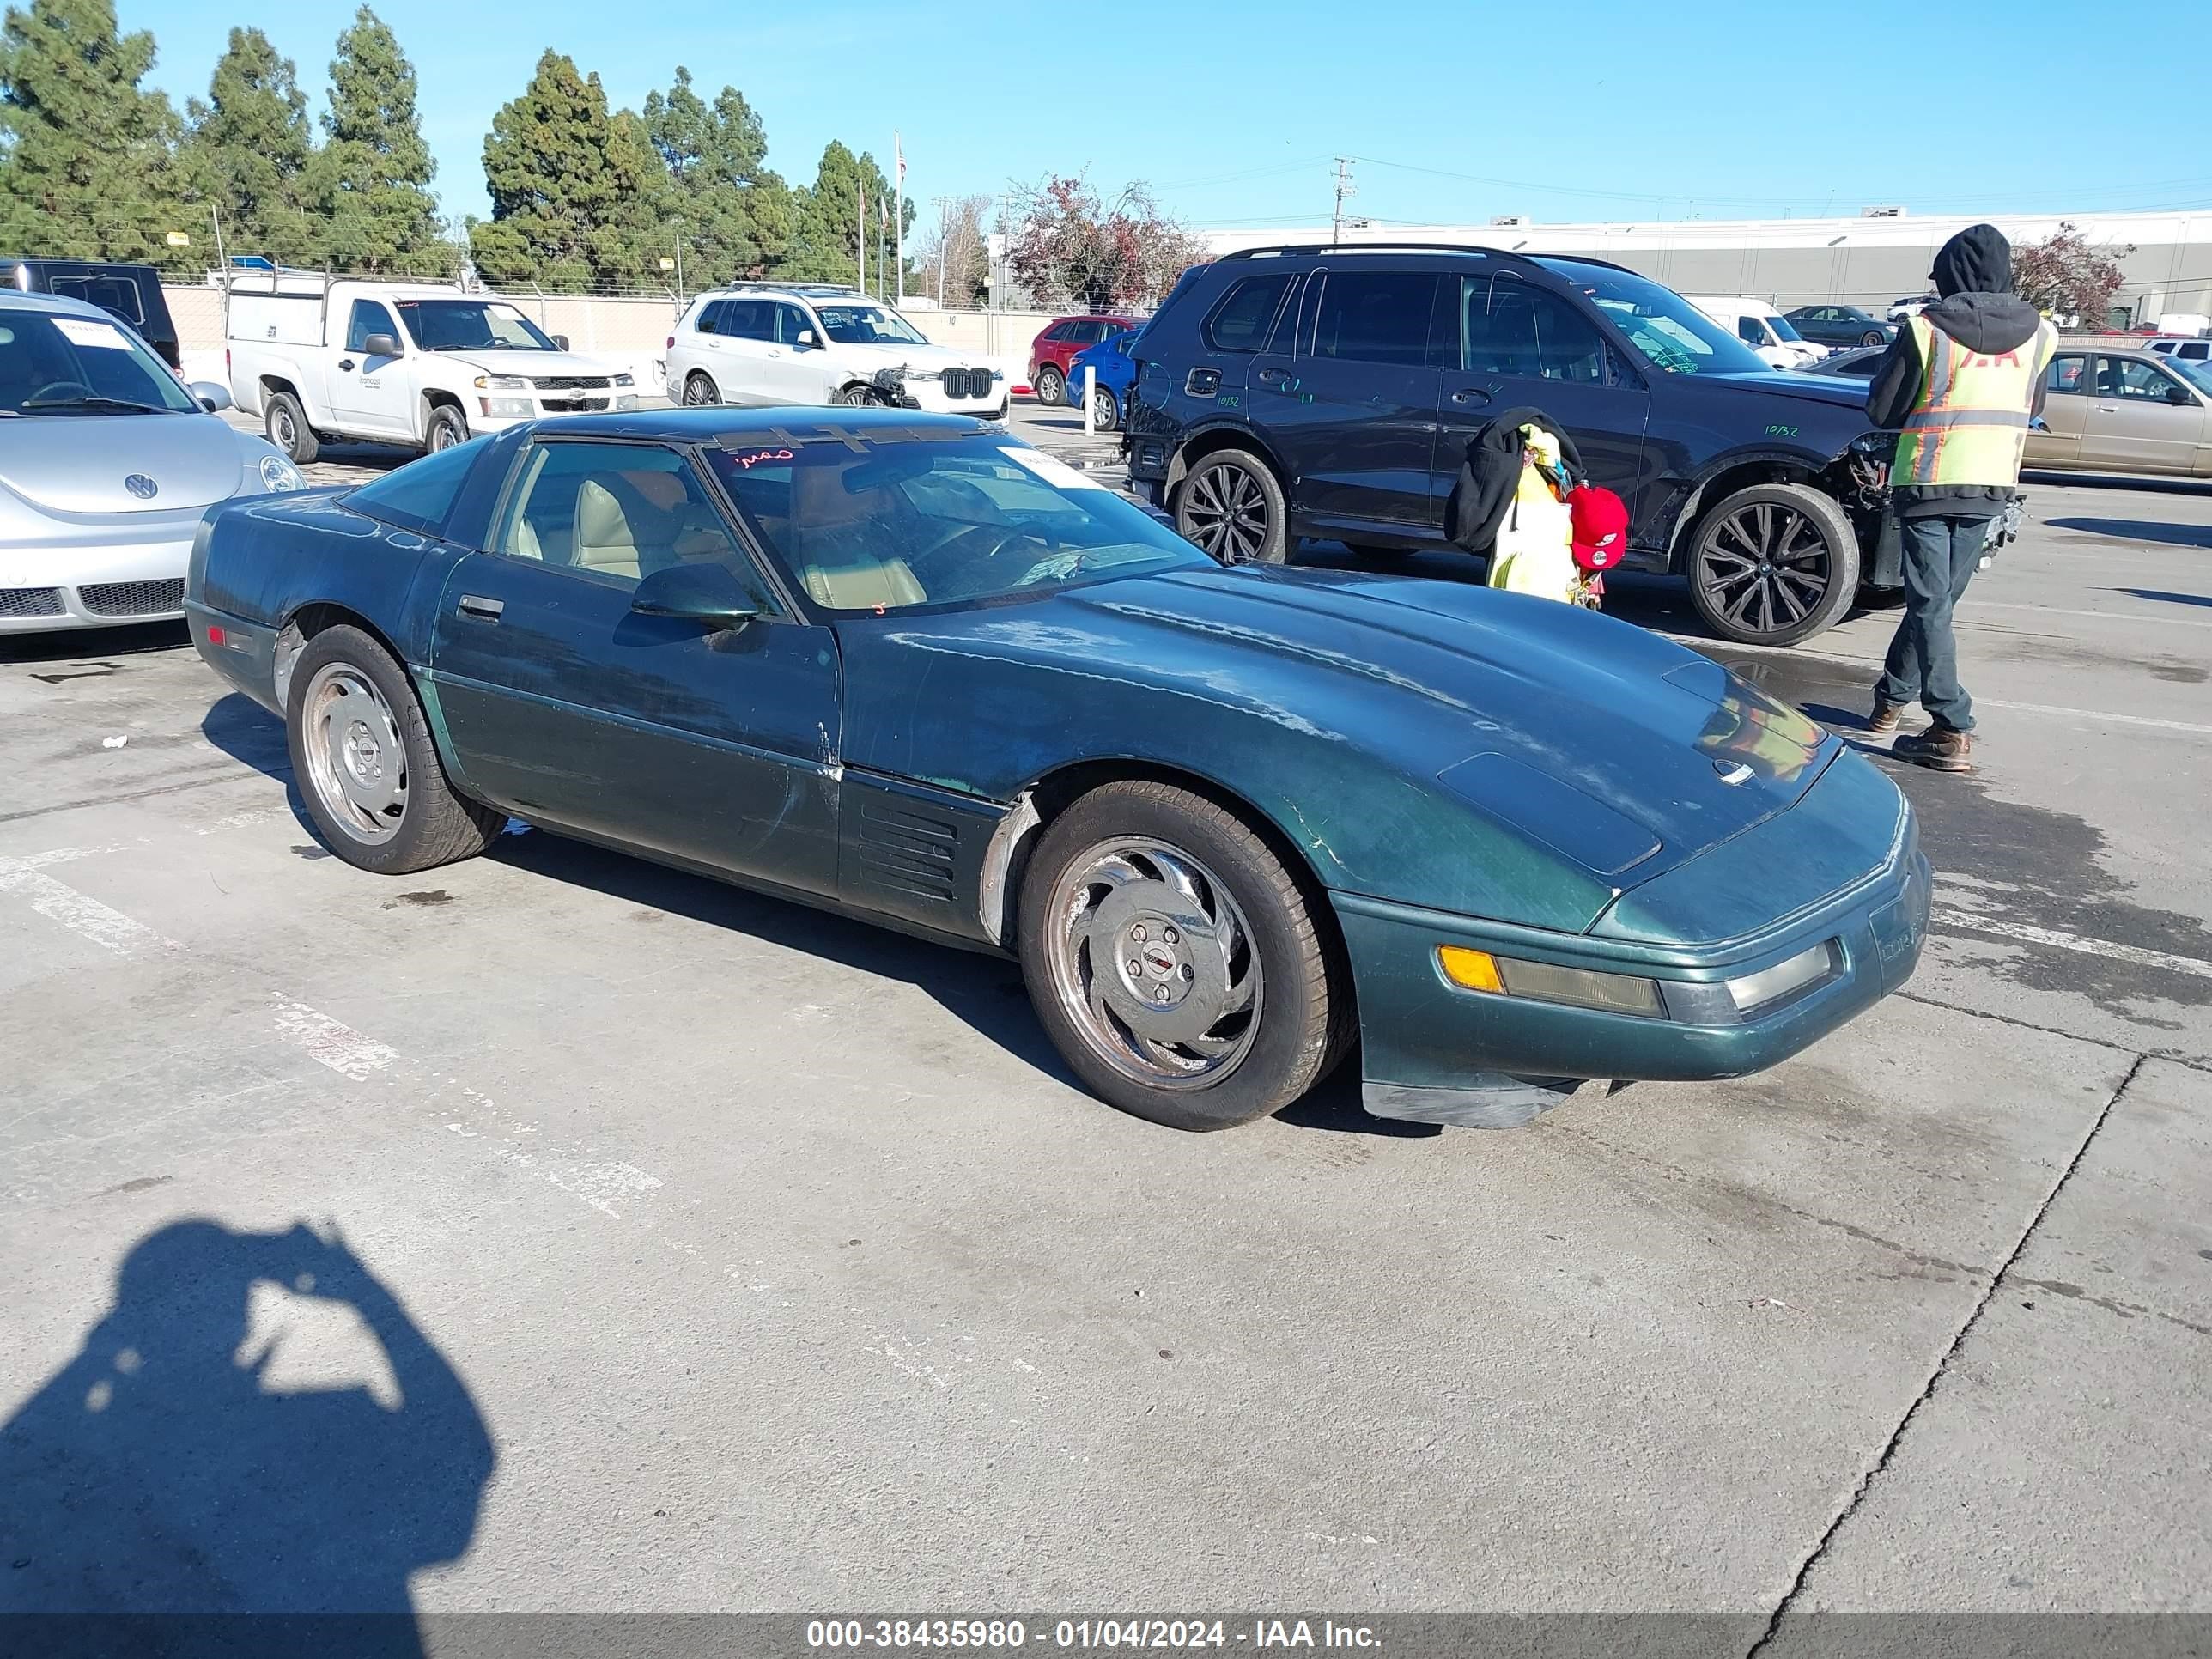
615,513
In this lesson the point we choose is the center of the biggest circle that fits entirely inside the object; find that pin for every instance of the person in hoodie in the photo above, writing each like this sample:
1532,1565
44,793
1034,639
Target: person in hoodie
1959,386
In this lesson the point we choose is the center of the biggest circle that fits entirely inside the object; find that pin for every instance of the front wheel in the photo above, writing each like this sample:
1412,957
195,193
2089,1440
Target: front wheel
1174,961
852,397
1232,507
366,765
449,429
1773,565
1051,386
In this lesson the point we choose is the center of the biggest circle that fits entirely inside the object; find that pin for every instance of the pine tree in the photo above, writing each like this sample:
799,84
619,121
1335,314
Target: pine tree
248,148
371,181
827,242
579,196
86,161
733,215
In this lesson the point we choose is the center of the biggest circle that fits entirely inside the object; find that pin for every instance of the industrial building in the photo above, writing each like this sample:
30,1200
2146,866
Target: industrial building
1876,257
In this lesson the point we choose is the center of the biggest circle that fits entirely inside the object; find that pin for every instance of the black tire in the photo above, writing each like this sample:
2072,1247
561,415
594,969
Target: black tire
448,429
1105,410
1874,337
1304,1022
288,428
1773,565
852,397
1232,505
700,391
436,824
1050,385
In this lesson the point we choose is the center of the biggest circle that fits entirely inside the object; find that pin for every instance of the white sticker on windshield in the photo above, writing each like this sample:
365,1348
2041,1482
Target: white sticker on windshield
88,332
1056,472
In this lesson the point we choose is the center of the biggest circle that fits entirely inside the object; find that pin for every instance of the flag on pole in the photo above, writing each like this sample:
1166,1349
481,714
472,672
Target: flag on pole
898,151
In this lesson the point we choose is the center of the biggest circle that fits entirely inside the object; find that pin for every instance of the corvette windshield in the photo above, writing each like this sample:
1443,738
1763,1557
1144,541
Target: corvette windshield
867,325
61,365
914,517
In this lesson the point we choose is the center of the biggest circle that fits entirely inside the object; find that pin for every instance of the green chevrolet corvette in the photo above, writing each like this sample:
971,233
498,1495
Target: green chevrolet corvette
1236,824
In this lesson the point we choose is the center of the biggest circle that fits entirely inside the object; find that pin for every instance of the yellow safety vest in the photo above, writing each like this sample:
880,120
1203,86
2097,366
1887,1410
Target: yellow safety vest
1969,421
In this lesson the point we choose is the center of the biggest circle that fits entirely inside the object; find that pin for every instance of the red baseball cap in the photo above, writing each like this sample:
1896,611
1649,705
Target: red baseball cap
1600,527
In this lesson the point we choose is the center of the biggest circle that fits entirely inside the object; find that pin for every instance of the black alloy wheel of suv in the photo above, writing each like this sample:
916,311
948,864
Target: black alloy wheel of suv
1330,393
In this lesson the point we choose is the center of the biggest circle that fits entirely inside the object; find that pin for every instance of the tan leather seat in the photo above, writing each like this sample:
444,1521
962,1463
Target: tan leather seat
604,538
887,584
527,544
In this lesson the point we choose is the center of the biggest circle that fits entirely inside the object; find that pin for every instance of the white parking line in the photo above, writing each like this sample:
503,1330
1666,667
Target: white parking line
2128,616
1961,921
83,914
2094,714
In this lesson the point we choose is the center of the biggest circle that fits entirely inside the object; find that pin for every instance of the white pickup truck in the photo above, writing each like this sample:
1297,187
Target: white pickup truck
419,364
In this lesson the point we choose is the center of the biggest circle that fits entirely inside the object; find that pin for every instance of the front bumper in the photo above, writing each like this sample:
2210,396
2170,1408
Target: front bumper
94,585
932,397
1434,1053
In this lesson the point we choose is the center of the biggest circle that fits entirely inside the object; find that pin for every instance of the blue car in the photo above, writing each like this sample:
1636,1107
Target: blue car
1115,369
1235,823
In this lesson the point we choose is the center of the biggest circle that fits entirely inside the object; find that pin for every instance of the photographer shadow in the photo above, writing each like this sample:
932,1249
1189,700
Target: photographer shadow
197,1468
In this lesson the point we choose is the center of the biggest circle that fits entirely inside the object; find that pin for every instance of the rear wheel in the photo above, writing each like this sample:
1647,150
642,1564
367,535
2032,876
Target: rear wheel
1050,385
700,391
366,765
1232,507
1773,565
288,429
1873,336
1105,410
1174,961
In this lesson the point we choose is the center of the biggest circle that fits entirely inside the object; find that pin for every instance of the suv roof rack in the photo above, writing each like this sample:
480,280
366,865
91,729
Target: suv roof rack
811,290
1474,248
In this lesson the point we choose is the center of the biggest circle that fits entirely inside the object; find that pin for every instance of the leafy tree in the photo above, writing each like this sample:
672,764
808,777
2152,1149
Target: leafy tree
733,215
2062,275
578,196
952,260
1069,248
370,183
828,241
248,148
87,167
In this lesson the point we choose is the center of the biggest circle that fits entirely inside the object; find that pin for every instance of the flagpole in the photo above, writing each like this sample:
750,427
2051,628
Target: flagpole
898,211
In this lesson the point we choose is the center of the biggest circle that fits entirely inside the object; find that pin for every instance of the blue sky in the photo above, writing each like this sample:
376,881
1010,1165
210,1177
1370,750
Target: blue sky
1232,111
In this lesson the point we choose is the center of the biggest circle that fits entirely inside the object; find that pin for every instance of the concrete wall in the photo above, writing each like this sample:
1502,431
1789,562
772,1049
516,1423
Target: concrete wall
632,332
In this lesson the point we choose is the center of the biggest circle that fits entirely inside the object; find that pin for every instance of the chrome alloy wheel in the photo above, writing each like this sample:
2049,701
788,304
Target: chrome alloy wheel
1154,963
1764,567
357,764
699,391
1228,512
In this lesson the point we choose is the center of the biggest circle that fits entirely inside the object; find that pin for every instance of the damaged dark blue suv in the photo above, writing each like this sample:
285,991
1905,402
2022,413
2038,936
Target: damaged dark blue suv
1331,392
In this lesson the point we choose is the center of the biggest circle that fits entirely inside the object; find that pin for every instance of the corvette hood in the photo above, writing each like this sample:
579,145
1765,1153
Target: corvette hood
76,464
1622,751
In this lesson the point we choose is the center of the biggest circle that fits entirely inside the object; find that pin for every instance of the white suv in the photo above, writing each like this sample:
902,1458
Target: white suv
766,342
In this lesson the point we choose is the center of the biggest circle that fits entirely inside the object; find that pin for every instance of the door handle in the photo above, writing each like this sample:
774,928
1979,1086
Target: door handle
1471,394
346,364
482,610
1273,376
775,351
2108,409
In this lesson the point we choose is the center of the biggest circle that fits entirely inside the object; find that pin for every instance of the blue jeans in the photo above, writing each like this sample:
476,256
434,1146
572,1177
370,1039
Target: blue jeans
1940,557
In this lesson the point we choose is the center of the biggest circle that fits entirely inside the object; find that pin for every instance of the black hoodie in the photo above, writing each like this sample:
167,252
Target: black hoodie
1978,309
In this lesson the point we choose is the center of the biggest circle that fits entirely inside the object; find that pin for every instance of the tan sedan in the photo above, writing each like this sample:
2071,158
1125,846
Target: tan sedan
2114,409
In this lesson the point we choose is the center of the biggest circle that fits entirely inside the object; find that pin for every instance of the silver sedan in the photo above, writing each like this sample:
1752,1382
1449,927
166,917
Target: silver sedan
107,462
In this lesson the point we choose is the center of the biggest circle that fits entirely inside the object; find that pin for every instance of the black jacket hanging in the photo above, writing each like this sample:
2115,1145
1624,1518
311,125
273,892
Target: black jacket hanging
1490,475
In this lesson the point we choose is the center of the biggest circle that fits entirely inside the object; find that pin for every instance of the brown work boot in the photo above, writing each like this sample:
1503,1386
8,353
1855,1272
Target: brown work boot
1939,747
1884,719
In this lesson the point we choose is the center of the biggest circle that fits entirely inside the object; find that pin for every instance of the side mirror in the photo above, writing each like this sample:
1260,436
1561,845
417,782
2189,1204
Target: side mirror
805,341
702,592
214,396
380,345
2180,396
560,343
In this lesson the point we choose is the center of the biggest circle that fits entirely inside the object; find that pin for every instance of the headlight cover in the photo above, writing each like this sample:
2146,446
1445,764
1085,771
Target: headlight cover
625,380
279,475
501,383
913,373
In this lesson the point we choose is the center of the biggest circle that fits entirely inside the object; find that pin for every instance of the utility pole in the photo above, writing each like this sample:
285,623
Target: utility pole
939,203
861,250
1345,191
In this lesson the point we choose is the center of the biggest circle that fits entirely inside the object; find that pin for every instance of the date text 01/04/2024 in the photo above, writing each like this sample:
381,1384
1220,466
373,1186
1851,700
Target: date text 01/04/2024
1090,1635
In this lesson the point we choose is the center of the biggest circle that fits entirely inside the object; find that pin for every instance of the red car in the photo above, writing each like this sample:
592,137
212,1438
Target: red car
1053,350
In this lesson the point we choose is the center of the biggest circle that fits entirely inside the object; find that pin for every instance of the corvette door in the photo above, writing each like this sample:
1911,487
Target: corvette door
563,704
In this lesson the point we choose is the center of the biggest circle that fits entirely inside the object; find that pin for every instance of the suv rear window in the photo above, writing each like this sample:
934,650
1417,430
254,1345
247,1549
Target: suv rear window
1242,319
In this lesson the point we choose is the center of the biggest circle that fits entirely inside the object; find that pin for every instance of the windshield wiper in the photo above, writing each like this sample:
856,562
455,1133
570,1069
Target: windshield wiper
123,404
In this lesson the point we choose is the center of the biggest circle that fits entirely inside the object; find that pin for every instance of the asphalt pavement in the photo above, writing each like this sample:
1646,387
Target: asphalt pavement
552,1231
